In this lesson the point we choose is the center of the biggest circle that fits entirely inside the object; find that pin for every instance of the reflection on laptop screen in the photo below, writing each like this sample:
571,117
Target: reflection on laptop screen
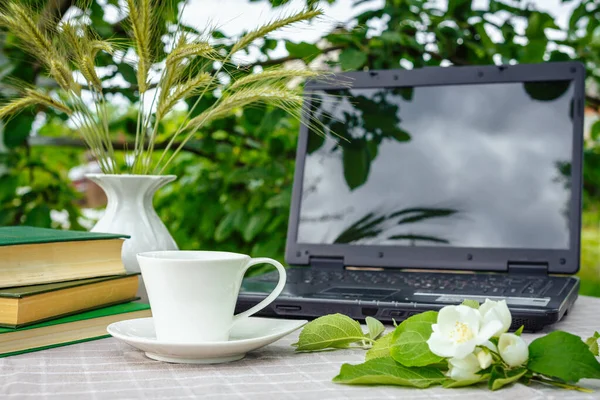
484,165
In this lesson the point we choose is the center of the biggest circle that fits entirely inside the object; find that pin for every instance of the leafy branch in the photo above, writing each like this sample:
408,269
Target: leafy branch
404,356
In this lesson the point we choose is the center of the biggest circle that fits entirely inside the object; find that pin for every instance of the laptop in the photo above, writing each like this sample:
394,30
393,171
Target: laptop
417,189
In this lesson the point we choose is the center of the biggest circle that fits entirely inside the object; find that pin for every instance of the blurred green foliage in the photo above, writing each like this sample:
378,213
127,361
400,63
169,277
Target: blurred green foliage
234,183
590,254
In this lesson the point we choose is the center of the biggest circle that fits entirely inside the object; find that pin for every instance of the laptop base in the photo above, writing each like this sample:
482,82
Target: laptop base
395,302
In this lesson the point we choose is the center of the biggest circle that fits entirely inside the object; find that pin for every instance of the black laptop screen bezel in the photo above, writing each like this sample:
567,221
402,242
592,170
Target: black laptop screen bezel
448,258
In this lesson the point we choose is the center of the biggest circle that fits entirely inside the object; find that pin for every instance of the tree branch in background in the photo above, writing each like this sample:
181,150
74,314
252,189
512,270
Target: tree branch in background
276,61
593,102
117,145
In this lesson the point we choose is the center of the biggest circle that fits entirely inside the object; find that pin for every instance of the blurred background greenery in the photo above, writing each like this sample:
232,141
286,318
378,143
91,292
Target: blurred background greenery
234,185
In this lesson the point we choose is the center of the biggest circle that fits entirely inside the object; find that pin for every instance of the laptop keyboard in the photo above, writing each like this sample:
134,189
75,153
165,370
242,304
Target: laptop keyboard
424,282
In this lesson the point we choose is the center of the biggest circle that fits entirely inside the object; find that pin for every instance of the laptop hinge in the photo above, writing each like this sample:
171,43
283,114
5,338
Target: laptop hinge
330,263
525,268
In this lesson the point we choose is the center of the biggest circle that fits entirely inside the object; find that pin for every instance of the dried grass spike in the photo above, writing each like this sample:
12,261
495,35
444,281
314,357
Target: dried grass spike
72,39
100,45
88,69
273,74
190,50
273,26
142,34
27,29
45,100
63,76
278,97
16,106
185,90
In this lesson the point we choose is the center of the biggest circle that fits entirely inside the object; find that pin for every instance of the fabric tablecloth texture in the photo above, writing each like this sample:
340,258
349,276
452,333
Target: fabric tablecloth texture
109,369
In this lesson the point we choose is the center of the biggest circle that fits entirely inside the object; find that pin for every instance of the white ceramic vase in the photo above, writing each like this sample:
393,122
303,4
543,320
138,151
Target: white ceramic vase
130,211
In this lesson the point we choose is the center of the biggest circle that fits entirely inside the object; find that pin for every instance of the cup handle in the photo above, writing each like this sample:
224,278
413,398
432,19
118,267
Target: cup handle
271,297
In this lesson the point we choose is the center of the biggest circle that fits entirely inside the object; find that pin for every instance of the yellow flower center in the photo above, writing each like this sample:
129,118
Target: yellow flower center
461,333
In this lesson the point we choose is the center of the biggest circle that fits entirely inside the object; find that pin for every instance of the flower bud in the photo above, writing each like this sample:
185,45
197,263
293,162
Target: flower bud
484,357
513,349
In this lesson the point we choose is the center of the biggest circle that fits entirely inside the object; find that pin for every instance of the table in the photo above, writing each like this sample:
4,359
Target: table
109,369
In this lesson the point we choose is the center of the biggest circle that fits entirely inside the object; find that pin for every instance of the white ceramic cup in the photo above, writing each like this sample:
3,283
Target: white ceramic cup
193,293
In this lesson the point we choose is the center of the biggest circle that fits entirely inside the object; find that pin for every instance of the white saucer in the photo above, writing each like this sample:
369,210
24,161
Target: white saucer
246,335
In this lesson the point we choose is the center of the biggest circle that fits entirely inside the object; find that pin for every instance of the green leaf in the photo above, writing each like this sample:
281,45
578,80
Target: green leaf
218,34
335,331
17,129
534,51
526,379
280,200
372,148
557,55
357,164
538,21
352,59
400,135
595,130
240,218
564,356
485,39
376,328
519,331
592,343
255,225
302,50
595,40
270,44
501,377
471,303
409,343
392,37
9,185
544,91
534,26
128,72
315,141
578,13
39,216
225,227
406,92
452,384
268,248
494,341
381,348
458,7
386,371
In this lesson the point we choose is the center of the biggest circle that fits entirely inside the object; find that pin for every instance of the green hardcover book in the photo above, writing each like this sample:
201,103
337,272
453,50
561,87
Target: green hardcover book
25,305
73,329
32,256
15,235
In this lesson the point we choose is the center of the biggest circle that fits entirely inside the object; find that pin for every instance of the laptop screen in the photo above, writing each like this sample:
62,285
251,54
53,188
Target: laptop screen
478,165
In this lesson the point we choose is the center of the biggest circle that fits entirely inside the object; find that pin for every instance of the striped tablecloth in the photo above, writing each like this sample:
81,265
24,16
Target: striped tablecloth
109,369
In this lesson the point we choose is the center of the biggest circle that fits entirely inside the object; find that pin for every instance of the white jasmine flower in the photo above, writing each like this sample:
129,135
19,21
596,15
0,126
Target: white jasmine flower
513,349
458,330
496,310
462,369
484,357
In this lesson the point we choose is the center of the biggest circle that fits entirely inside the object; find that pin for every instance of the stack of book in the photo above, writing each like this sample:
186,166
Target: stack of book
61,287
